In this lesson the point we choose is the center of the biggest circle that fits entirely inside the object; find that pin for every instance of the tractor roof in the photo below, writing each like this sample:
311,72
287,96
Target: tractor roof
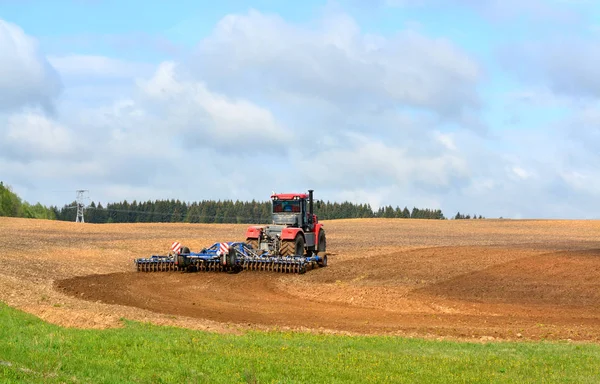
289,196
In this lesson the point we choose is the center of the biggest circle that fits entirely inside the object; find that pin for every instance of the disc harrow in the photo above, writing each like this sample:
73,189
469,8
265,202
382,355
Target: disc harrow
229,257
156,264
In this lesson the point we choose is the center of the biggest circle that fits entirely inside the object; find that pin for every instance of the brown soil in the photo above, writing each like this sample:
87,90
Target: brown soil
483,279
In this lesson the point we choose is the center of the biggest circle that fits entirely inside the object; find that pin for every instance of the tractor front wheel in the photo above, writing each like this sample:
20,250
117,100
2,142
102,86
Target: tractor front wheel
299,245
322,243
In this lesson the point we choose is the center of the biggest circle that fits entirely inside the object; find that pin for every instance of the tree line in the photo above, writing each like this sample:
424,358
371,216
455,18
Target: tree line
460,216
11,205
206,211
227,211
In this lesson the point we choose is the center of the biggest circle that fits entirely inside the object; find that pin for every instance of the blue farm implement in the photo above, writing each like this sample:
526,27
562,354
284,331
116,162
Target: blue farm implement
228,257
293,241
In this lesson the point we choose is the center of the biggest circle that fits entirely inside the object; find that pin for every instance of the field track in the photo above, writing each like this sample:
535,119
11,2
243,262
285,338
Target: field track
466,279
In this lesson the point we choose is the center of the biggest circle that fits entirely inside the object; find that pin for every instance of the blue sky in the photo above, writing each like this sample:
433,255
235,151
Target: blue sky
488,107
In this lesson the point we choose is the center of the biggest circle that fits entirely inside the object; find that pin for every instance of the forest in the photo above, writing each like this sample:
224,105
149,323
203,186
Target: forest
12,205
227,211
205,211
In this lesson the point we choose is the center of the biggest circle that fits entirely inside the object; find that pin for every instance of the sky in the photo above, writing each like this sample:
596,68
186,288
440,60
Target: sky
486,107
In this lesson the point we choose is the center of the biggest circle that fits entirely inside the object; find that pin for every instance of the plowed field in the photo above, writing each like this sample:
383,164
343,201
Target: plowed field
482,279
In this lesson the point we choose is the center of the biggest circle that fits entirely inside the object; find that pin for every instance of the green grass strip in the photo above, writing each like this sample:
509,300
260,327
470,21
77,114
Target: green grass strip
32,351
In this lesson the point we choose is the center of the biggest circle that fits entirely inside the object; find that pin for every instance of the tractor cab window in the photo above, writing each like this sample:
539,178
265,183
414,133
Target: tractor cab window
286,206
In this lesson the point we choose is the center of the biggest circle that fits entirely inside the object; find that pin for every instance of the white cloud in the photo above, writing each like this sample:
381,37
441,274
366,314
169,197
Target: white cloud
376,197
169,133
358,161
555,10
566,66
32,135
337,64
26,77
582,181
206,118
520,172
98,66
446,139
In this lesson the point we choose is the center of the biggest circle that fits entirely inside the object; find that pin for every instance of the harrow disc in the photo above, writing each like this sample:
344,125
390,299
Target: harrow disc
161,265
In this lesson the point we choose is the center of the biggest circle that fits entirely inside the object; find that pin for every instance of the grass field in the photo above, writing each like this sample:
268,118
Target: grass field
32,351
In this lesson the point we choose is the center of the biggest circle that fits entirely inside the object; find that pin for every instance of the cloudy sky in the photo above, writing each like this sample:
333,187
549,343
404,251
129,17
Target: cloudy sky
479,106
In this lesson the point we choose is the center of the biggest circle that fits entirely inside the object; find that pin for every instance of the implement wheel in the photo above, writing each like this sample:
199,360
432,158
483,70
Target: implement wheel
323,263
228,261
182,261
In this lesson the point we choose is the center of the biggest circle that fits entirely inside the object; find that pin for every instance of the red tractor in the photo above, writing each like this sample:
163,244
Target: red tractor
295,229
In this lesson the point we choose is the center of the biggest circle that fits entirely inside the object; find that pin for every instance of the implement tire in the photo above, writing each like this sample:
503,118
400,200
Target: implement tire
182,261
228,260
323,263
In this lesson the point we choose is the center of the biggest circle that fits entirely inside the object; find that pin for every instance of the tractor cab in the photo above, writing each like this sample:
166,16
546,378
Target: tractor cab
295,229
293,210
287,206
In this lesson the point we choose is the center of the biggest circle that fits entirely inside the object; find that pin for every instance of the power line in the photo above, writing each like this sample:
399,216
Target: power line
192,216
171,214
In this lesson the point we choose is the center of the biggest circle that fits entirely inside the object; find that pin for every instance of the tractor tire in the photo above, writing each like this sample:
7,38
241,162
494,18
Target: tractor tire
287,248
299,245
293,247
322,243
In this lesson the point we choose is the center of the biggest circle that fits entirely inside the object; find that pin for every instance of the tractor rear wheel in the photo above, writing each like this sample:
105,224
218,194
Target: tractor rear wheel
293,247
287,248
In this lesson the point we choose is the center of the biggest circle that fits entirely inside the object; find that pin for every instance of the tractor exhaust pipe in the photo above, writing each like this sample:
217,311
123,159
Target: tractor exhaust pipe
310,203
